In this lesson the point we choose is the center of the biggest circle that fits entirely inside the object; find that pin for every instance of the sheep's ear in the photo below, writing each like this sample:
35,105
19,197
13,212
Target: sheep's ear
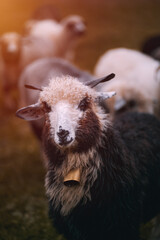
105,95
31,112
100,80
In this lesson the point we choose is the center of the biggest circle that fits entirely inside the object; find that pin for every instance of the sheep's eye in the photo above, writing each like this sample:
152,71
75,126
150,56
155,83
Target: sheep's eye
46,107
84,104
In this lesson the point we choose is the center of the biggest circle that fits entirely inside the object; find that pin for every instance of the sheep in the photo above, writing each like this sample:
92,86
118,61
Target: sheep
64,34
55,40
151,47
16,53
38,73
136,83
10,51
102,177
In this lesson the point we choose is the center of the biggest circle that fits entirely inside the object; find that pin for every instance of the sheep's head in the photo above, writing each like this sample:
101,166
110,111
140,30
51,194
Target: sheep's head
11,46
75,25
73,116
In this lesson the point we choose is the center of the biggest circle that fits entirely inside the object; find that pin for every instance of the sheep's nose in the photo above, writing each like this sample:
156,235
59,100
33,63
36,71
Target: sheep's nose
62,133
63,137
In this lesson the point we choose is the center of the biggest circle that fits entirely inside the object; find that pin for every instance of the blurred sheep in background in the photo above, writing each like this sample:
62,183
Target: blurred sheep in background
16,53
10,51
39,74
63,35
151,46
136,83
43,38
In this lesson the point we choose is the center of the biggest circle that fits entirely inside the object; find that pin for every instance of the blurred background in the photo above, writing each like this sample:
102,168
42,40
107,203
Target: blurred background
110,24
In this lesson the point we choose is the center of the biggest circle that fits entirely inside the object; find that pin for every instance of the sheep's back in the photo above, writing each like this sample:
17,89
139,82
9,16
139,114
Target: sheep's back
41,71
131,67
141,135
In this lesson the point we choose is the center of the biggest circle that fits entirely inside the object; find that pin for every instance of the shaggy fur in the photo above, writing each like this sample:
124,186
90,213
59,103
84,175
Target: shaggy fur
66,198
124,190
53,93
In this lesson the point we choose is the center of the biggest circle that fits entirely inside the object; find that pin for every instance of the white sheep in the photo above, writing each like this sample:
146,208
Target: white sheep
102,177
136,81
10,54
64,35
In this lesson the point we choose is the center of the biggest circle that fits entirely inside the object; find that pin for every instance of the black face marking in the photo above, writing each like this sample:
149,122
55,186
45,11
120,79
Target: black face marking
89,127
53,153
84,104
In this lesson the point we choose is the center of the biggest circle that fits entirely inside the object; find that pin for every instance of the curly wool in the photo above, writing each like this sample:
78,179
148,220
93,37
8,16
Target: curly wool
59,89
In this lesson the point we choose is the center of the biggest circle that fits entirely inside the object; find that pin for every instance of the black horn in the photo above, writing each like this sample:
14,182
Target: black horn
33,87
100,80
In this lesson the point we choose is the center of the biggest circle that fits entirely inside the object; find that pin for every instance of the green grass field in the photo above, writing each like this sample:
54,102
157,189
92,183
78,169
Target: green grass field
111,24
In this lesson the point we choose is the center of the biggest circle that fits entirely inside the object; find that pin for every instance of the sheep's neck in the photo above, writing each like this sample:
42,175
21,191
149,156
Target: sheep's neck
109,156
103,170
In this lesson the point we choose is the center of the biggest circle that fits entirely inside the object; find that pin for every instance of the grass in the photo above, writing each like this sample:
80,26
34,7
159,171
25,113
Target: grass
111,24
23,205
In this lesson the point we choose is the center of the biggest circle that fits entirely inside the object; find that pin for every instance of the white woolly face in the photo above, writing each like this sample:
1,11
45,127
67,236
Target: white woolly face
64,118
66,113
72,112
